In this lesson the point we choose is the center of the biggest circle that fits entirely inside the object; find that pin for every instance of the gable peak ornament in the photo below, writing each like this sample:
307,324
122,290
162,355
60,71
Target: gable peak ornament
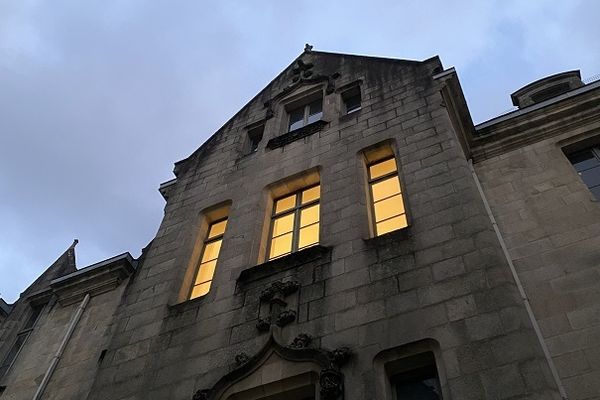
307,48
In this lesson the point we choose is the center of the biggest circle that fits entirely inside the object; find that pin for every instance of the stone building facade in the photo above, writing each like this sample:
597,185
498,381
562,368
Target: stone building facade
348,234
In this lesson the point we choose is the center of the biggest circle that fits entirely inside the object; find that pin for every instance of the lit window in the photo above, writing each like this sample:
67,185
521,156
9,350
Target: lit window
352,100
307,114
21,339
208,261
295,222
587,165
389,213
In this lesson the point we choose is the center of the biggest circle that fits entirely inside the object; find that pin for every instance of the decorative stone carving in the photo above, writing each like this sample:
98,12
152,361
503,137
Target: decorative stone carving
241,359
263,325
282,288
301,341
285,317
202,394
308,48
302,71
331,384
340,355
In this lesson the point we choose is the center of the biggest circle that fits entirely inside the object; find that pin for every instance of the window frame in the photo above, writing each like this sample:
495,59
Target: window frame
296,210
207,241
372,181
28,327
306,113
594,150
349,93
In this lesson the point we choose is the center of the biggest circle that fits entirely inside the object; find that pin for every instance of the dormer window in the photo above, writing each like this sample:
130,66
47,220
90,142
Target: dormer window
306,114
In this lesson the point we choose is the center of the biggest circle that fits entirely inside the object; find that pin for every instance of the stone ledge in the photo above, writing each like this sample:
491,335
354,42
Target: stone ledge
95,279
296,134
284,263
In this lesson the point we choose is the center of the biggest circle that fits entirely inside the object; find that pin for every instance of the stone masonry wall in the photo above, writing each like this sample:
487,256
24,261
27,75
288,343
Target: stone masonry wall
443,278
76,369
551,225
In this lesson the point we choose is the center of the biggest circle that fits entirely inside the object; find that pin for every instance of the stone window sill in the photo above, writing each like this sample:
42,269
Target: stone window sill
284,263
393,236
296,134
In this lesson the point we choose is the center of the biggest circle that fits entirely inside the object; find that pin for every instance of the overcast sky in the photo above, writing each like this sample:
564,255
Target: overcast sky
98,99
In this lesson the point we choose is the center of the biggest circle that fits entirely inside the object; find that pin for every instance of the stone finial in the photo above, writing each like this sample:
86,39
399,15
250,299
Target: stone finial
307,48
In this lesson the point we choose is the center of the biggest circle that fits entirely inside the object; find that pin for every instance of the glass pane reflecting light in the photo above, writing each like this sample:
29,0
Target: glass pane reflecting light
386,197
295,224
208,261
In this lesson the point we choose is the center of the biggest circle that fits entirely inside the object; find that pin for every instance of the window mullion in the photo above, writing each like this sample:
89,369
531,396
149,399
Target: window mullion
296,227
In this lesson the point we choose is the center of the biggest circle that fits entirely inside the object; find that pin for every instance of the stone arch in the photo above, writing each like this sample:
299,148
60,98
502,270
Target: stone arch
276,370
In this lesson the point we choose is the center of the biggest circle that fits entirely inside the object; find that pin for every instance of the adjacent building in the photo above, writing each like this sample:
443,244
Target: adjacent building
348,234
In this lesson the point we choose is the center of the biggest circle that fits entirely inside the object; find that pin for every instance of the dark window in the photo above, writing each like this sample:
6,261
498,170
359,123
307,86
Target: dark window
255,136
306,114
352,100
420,382
21,338
587,165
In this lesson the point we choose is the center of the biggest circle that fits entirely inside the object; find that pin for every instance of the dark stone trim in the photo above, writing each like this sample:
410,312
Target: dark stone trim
386,239
296,134
290,261
331,379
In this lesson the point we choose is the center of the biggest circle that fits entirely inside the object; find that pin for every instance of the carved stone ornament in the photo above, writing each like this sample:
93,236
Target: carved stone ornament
202,394
241,359
285,317
340,356
263,325
331,384
282,288
301,341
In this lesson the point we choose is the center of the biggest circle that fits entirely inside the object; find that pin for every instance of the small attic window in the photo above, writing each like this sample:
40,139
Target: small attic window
351,99
255,136
305,114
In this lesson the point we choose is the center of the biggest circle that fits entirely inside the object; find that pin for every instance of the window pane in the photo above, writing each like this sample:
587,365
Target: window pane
392,224
352,103
316,107
382,168
200,290
281,245
283,225
308,236
217,229
309,215
583,160
12,354
211,251
35,313
390,207
206,272
285,204
311,194
591,177
296,118
596,192
386,188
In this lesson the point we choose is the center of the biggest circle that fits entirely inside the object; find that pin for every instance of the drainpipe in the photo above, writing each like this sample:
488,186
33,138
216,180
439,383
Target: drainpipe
513,270
62,347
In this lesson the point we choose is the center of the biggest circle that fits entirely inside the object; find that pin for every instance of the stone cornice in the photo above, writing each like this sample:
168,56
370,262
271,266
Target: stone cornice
95,279
538,124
